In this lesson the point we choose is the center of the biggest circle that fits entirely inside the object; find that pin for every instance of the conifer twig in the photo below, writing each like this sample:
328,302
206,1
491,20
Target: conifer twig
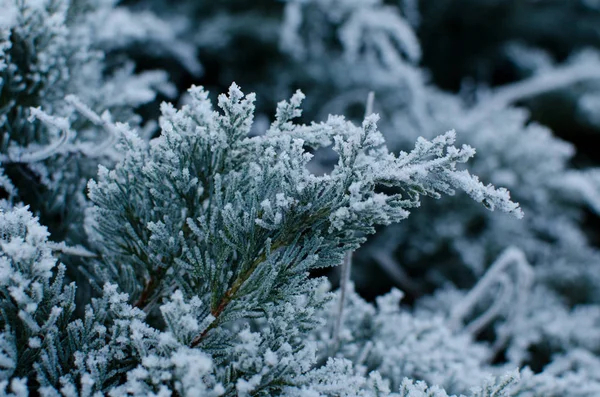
230,295
347,264
516,287
344,281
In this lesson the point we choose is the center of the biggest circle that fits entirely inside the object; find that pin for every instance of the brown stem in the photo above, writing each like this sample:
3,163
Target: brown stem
230,295
149,289
237,284
141,302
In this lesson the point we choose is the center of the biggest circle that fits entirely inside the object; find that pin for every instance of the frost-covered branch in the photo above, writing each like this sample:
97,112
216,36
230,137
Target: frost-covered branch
60,123
239,220
583,67
513,293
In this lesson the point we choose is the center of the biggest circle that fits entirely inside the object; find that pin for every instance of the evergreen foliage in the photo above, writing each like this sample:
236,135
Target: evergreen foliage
50,50
183,250
214,267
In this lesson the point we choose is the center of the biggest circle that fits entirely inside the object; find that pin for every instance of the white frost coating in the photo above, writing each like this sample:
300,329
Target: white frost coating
214,226
245,387
246,241
8,15
586,66
512,256
384,28
120,27
528,159
60,123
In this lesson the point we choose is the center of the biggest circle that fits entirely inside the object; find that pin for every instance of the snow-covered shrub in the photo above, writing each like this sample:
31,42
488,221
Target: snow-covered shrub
398,344
206,242
210,235
35,304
